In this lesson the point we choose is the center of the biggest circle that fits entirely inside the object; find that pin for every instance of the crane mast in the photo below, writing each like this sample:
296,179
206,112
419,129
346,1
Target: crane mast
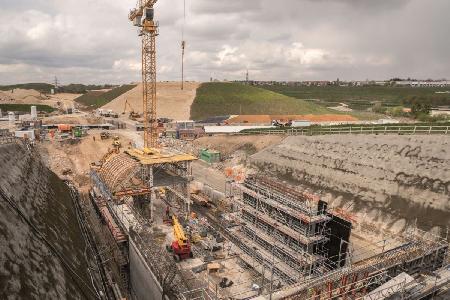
143,17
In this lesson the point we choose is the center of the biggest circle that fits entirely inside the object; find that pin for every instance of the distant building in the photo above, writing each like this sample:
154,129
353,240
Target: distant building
440,83
441,110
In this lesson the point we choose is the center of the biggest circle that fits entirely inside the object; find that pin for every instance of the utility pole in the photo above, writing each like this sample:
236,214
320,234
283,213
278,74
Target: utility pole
183,45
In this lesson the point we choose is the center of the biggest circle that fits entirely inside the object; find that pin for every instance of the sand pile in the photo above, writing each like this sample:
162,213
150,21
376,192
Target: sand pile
173,102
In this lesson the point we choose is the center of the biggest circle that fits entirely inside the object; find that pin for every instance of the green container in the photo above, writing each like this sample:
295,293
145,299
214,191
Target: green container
210,156
77,132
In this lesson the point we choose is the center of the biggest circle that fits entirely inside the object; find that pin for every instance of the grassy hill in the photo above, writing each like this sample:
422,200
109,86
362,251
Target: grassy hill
218,99
96,99
363,97
25,107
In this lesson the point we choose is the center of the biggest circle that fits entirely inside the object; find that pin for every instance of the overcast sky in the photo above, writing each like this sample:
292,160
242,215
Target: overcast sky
92,41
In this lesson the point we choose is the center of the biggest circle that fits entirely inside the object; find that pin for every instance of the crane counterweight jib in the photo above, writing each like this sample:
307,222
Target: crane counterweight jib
139,11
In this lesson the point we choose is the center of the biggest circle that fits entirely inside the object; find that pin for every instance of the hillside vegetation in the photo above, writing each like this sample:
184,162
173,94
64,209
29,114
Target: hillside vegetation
218,99
96,99
40,87
364,97
73,88
26,107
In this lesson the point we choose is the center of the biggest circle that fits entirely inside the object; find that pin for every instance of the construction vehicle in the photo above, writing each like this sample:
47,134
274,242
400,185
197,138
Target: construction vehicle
281,124
104,135
132,114
143,17
77,132
181,246
116,142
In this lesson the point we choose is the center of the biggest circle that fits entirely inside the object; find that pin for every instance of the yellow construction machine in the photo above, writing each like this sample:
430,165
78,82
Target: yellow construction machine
181,246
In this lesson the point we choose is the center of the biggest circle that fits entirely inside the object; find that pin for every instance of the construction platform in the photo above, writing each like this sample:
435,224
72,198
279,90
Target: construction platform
270,240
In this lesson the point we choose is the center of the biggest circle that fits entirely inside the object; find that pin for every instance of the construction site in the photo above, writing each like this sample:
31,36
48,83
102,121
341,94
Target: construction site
153,208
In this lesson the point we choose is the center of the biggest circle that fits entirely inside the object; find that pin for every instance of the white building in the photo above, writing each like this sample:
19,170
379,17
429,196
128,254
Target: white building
442,83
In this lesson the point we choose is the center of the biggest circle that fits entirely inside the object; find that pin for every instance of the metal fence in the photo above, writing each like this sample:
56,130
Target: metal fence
376,129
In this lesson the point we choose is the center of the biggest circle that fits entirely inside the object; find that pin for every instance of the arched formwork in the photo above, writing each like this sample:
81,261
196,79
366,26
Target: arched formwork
117,174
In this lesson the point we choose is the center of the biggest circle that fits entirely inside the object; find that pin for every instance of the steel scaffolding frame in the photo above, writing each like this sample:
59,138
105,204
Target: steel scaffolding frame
279,226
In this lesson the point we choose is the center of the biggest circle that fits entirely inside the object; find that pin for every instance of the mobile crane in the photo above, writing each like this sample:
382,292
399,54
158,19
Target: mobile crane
181,246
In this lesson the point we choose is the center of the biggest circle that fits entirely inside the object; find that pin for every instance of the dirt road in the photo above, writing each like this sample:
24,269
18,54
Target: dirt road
202,172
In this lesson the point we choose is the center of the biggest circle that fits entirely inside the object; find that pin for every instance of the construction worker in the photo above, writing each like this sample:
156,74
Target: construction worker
167,212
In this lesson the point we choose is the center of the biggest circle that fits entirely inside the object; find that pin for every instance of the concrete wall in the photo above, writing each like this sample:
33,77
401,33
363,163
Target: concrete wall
144,285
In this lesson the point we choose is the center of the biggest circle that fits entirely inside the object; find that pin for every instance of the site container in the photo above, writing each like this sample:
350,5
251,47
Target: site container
64,127
210,156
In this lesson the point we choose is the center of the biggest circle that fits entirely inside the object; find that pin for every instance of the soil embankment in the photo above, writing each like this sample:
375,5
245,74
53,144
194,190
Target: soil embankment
388,181
29,269
172,103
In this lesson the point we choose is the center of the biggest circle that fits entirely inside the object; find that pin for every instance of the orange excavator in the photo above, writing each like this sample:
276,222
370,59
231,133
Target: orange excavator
181,246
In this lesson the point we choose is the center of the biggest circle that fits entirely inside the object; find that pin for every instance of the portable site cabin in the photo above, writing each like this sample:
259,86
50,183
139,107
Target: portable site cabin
210,156
25,134
301,123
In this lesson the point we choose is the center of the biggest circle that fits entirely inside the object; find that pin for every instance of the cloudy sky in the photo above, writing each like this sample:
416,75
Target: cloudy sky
91,41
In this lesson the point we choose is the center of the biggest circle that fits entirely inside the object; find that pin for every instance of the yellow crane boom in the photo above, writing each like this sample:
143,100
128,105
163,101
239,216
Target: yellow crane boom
143,17
178,232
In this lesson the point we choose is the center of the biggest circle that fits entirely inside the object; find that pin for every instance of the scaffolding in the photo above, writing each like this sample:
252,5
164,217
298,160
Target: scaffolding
128,184
281,228
285,229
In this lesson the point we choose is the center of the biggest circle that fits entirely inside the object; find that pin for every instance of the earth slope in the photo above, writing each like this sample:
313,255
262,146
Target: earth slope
172,102
390,181
28,269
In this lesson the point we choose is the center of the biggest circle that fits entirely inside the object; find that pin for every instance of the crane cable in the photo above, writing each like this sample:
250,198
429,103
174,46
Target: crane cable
36,232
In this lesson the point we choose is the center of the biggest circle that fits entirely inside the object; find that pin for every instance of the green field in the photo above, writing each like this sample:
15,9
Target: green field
364,97
76,88
25,107
96,99
218,99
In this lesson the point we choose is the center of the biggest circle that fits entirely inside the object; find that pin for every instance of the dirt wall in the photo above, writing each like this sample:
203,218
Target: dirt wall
390,181
28,269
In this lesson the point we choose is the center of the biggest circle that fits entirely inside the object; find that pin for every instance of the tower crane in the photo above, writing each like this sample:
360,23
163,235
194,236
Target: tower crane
143,17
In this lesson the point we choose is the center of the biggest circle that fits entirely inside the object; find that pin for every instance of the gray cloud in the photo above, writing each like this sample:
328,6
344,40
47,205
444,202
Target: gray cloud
93,42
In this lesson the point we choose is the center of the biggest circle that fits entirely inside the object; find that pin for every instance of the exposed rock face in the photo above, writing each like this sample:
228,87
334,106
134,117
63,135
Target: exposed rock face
392,180
28,270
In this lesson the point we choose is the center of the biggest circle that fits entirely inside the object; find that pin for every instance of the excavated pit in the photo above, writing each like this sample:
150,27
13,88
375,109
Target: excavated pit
28,269
388,181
